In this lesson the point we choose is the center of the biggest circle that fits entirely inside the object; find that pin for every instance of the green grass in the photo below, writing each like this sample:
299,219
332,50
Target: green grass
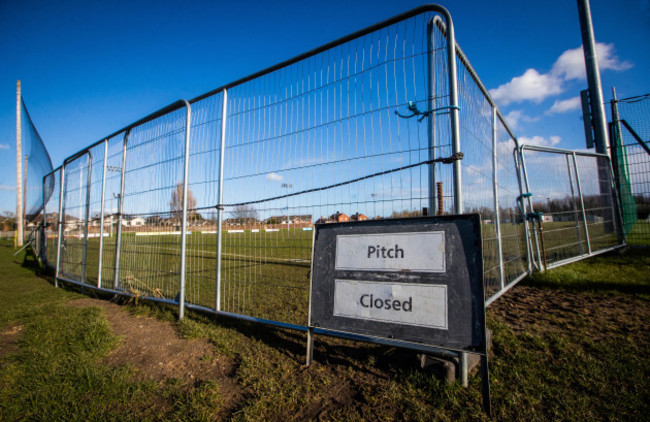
617,272
566,365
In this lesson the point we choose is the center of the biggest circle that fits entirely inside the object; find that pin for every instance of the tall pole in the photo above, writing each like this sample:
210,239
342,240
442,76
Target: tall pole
19,172
593,77
597,113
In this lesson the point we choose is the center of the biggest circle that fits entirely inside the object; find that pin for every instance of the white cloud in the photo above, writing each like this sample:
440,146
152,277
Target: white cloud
516,116
531,86
571,63
4,146
535,86
274,177
7,187
540,141
564,106
513,119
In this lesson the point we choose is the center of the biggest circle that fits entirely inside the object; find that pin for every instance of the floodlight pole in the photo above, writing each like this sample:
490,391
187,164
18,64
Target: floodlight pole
593,77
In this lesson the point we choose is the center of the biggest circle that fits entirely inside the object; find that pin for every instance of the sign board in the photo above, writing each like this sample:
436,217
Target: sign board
411,279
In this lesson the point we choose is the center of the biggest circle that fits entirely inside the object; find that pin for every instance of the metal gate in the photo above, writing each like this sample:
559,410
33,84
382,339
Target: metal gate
569,202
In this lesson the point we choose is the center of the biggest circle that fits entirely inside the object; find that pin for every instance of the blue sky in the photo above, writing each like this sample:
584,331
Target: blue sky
89,68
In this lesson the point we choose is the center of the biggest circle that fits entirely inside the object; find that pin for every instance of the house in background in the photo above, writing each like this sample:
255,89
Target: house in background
358,217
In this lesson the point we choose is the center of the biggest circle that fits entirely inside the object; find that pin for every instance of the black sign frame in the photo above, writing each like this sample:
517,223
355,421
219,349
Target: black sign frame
463,278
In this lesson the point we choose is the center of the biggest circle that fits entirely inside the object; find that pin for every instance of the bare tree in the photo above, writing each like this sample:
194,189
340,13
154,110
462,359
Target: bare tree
245,214
176,203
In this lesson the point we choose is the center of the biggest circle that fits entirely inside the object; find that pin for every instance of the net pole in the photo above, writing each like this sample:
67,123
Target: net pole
19,170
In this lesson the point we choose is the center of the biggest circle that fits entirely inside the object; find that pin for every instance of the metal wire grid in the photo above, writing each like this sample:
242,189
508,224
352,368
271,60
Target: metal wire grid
93,201
636,166
599,207
74,217
477,130
149,265
319,122
514,251
51,212
111,187
205,150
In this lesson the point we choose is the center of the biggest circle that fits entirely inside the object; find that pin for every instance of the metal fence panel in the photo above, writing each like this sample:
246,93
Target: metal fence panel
573,191
148,259
51,220
350,132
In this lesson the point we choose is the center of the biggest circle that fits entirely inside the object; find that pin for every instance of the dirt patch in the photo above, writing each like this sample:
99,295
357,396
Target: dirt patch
533,309
154,349
9,339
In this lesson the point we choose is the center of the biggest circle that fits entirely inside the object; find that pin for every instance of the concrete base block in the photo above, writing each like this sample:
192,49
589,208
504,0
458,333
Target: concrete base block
448,368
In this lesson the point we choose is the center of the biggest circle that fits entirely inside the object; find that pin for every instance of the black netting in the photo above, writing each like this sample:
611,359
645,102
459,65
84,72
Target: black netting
37,165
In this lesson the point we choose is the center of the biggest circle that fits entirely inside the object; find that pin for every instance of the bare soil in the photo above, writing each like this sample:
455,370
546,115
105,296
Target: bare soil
536,310
9,339
155,351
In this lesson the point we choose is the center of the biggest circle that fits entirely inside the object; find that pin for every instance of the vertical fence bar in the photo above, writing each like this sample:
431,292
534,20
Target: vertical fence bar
120,208
84,260
495,191
186,165
455,138
455,116
101,216
575,209
217,305
431,118
516,155
582,201
59,241
532,209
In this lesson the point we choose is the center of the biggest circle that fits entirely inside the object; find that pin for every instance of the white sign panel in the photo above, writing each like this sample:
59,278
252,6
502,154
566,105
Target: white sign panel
419,252
423,305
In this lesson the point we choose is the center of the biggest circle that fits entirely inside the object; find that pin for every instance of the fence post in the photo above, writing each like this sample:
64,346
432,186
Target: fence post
84,261
120,208
495,191
455,147
614,165
582,201
101,217
431,118
217,305
60,239
186,165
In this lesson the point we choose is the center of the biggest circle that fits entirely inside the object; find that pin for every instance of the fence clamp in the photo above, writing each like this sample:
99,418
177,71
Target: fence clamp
413,108
531,216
